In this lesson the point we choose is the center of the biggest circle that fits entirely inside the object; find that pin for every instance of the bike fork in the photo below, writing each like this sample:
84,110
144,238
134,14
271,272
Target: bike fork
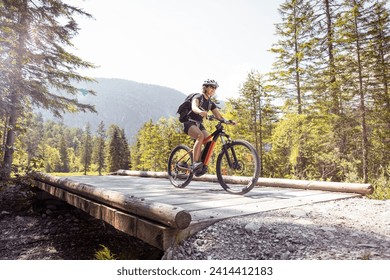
234,164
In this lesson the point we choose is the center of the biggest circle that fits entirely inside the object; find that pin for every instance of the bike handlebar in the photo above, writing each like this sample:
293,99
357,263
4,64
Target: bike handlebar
212,118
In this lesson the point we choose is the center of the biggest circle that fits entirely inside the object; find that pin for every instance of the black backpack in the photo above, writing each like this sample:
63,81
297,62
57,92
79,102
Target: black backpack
185,108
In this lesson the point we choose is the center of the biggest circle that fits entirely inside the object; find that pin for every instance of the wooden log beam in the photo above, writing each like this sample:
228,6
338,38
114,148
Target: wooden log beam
155,234
172,216
358,188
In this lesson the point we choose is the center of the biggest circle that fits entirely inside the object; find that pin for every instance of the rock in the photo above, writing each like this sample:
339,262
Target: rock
199,242
252,227
51,207
168,254
298,213
368,245
19,219
285,256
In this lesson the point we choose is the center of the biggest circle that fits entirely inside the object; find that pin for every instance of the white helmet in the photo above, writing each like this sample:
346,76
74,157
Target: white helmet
212,83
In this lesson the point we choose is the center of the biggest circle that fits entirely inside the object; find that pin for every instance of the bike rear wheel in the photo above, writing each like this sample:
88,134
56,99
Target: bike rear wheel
179,166
238,167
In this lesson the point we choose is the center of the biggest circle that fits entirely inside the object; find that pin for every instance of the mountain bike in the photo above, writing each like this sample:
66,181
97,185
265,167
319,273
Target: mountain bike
237,166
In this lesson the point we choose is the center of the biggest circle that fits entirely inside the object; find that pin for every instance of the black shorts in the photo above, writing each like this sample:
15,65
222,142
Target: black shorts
188,124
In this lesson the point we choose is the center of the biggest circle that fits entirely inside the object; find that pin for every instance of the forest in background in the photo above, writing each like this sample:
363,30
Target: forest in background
322,112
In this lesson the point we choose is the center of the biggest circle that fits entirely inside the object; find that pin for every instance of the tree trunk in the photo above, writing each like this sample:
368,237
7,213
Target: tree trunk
260,151
335,108
362,107
10,138
297,74
15,93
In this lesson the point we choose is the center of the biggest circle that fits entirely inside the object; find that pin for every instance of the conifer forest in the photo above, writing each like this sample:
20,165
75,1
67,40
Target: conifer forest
321,113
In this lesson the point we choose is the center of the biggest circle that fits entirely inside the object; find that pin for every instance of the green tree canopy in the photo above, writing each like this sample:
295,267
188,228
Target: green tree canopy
37,67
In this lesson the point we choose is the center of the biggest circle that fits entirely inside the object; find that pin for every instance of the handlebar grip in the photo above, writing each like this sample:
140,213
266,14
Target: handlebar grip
212,117
230,122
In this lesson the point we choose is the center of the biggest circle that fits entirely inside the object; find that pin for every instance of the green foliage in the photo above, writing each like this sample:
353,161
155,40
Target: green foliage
99,148
104,254
154,142
118,156
332,60
52,147
86,149
35,39
381,184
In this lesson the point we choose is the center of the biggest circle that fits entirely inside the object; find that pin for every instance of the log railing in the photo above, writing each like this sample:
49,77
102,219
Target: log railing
358,188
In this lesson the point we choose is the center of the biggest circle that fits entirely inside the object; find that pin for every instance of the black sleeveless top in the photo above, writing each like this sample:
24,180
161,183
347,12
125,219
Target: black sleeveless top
206,105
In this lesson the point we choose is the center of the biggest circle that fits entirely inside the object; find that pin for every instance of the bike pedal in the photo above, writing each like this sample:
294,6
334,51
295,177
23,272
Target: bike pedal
201,172
182,176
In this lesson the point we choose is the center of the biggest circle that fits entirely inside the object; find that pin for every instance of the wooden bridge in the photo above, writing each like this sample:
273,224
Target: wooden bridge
145,205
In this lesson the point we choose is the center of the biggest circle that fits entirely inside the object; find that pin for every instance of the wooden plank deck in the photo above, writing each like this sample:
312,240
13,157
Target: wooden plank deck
206,202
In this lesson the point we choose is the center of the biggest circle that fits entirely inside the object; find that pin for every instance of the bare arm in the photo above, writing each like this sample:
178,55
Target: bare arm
217,114
195,108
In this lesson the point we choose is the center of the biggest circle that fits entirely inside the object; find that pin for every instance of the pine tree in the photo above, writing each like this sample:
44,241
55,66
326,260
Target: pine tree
294,57
33,137
324,87
293,52
136,154
251,107
64,155
99,148
125,151
353,38
379,115
169,135
86,149
36,36
115,149
148,147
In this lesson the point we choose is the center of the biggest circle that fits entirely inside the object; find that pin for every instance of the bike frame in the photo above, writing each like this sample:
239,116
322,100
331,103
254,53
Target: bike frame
213,137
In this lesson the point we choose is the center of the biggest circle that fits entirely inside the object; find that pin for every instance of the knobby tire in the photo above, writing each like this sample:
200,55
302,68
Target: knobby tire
241,175
180,177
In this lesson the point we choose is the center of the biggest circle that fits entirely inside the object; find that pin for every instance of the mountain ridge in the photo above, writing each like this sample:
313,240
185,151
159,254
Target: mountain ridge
126,103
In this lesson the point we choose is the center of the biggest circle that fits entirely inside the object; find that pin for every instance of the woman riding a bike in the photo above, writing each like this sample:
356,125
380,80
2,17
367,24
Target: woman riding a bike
200,105
237,165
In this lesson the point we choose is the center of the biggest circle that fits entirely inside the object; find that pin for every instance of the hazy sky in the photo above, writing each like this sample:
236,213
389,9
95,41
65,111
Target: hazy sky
178,43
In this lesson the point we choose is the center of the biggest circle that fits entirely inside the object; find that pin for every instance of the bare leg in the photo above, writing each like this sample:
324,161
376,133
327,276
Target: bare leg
198,135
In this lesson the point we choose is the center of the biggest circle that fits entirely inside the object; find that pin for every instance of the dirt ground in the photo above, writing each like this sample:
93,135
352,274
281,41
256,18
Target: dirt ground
35,227
347,229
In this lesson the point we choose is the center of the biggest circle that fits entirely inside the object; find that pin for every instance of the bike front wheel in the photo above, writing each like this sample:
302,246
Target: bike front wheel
179,166
238,167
